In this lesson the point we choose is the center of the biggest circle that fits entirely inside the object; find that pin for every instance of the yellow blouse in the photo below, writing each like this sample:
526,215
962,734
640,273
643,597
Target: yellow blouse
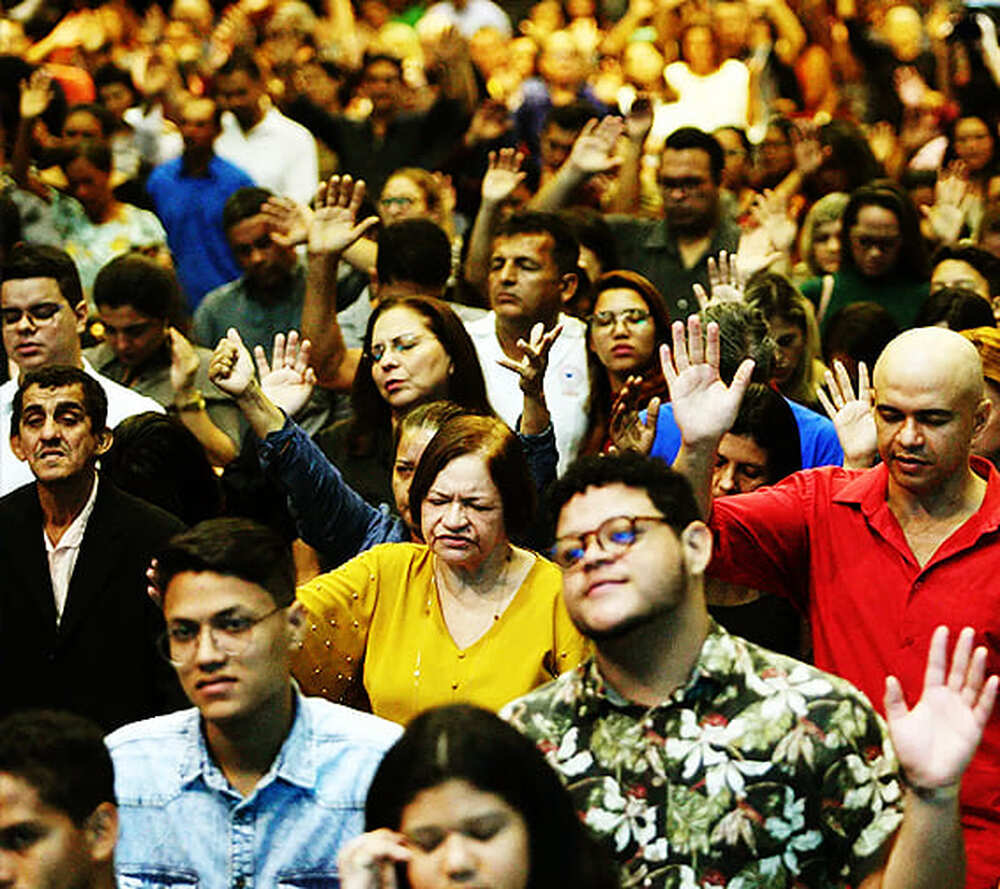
378,619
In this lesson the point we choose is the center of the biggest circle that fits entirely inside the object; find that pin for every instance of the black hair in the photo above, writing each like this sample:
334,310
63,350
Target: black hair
94,151
10,226
981,260
565,249
240,60
465,743
234,548
157,458
62,756
766,418
859,331
95,401
668,490
850,153
958,307
570,117
42,261
109,73
688,138
414,251
911,262
135,280
743,333
99,112
741,134
592,231
242,204
988,120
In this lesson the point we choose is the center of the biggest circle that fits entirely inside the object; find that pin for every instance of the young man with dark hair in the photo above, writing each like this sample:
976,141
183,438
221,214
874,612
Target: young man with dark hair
257,785
78,632
701,758
58,818
42,311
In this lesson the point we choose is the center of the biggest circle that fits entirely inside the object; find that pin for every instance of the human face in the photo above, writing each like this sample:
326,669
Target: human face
973,143
956,273
608,595
986,442
791,343
381,83
412,443
41,847
462,836
55,435
740,466
232,689
735,166
52,336
462,514
117,98
555,145
875,241
524,282
198,126
776,156
240,93
266,264
826,246
402,199
81,125
699,49
413,366
131,335
623,347
91,187
690,197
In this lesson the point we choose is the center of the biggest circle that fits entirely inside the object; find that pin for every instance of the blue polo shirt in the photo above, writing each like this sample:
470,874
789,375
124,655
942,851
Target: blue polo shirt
190,208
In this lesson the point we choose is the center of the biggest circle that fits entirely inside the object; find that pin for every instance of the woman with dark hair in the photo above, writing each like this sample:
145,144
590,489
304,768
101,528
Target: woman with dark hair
761,448
957,308
972,139
885,260
462,781
465,616
858,332
415,349
629,321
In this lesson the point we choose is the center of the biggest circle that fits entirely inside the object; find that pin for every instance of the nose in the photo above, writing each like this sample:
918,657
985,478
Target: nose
910,434
725,479
458,860
508,271
7,872
618,327
209,653
257,255
25,323
454,515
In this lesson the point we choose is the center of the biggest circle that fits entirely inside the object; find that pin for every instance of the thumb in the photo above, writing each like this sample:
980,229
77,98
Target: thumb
233,335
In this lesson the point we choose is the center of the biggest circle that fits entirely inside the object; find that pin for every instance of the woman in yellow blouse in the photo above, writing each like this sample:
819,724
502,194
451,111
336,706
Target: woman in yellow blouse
467,616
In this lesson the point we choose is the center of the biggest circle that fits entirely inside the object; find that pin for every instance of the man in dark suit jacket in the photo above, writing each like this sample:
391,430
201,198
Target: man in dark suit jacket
77,630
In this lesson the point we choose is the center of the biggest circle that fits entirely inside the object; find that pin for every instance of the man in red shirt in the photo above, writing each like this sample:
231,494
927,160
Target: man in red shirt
876,558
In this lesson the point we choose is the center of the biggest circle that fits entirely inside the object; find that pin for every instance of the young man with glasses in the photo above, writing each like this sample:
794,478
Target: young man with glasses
77,631
257,785
701,758
43,312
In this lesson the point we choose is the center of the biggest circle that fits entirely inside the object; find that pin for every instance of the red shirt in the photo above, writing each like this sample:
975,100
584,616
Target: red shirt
826,539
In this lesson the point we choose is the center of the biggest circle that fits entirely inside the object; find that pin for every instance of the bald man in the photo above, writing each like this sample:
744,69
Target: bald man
877,558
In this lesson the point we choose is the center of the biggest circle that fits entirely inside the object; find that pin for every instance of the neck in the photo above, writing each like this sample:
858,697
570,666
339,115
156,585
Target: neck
104,877
648,663
104,212
64,500
960,495
510,330
245,748
480,579
196,162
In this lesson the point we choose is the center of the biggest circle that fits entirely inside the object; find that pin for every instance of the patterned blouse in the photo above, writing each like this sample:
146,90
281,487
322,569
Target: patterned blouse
760,772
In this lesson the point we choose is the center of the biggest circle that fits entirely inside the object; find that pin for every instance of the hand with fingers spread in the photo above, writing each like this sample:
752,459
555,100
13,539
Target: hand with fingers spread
852,415
705,408
36,94
770,210
231,367
951,202
503,175
936,739
289,220
288,380
725,281
333,227
810,153
534,359
627,429
594,149
369,861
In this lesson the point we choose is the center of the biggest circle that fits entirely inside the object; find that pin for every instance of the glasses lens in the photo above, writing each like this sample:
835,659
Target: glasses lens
566,553
616,534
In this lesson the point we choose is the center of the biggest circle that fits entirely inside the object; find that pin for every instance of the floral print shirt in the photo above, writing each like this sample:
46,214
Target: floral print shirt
760,772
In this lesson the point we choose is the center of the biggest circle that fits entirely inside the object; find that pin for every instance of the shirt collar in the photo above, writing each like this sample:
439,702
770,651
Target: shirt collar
73,536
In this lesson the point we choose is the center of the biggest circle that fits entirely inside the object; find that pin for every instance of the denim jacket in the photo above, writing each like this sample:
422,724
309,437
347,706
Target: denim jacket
184,826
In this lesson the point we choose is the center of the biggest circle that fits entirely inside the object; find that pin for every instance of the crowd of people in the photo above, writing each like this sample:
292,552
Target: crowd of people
576,425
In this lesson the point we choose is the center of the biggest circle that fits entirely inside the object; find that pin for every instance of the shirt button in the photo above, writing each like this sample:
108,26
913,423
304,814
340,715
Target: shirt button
454,686
461,655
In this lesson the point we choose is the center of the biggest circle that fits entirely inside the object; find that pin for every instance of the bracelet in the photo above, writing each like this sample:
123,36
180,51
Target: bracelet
194,403
933,794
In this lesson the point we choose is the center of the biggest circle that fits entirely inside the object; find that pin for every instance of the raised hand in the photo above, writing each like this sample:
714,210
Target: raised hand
810,153
639,120
534,360
183,361
626,428
288,380
337,203
704,406
936,739
231,367
951,201
594,149
725,280
852,415
289,220
369,861
36,94
770,210
503,175
490,121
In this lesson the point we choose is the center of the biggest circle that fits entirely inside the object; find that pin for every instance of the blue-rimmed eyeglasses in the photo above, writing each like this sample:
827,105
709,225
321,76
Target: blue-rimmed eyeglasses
614,536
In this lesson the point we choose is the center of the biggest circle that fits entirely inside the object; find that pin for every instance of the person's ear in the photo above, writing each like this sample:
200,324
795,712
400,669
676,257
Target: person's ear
696,544
981,417
296,623
80,311
105,439
102,832
568,285
15,446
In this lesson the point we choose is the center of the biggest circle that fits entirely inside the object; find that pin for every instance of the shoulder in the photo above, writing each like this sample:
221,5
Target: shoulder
482,327
100,355
124,402
143,519
221,296
161,738
532,714
168,171
289,129
228,171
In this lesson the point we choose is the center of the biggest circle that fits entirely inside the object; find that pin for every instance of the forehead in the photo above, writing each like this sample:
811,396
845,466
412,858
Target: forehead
28,291
742,449
122,316
19,801
413,440
919,386
971,126
51,398
466,474
585,511
197,595
534,245
251,229
955,270
619,298
555,133
684,162
198,112
397,321
404,186
79,120
874,218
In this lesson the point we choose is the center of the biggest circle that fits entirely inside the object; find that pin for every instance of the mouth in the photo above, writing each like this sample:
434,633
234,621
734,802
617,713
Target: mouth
455,541
601,586
908,462
393,385
623,351
215,686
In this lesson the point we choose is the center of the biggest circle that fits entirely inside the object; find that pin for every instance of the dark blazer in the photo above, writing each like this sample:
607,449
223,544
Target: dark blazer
100,660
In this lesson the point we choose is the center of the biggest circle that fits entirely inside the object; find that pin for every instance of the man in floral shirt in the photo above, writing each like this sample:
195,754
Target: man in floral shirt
704,760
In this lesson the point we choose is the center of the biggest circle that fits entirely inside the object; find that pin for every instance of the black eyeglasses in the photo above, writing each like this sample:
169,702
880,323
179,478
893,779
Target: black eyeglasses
629,317
39,313
614,536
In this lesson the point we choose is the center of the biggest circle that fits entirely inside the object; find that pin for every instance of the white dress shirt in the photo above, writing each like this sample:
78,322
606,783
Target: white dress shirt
63,555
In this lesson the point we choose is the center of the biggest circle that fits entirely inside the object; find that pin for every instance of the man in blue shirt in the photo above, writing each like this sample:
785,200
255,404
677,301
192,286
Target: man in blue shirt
189,194
258,785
